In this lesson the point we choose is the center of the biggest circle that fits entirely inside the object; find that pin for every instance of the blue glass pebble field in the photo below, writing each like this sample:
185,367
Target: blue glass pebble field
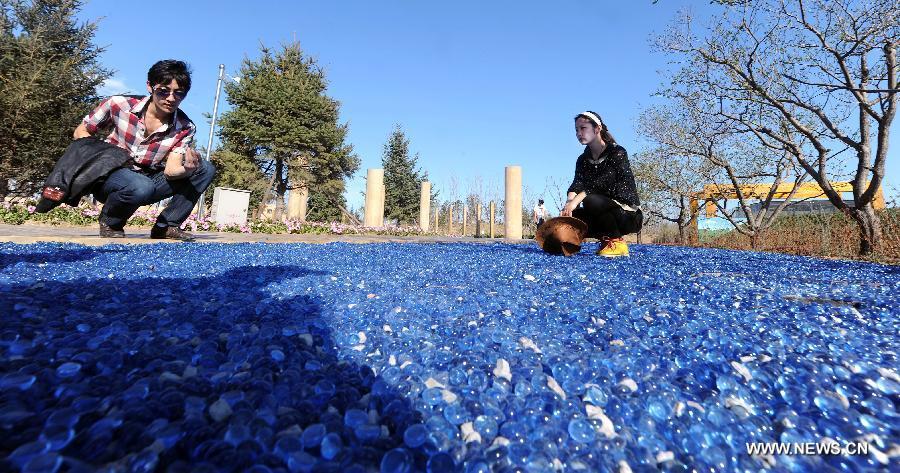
458,357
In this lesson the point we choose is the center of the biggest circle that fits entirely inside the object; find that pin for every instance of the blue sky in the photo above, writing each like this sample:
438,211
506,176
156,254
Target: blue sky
476,85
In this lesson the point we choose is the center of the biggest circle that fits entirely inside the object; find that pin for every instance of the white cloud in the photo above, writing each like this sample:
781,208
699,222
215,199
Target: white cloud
113,86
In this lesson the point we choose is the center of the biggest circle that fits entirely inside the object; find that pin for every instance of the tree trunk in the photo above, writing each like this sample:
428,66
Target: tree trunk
279,206
280,190
869,229
260,210
754,240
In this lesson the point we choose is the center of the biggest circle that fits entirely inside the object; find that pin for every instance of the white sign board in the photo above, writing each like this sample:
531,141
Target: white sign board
229,206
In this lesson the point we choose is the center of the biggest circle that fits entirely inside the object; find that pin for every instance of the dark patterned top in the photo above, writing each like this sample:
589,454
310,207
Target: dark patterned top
611,176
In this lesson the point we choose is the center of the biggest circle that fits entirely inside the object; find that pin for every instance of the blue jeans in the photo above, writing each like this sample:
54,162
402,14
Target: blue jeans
126,190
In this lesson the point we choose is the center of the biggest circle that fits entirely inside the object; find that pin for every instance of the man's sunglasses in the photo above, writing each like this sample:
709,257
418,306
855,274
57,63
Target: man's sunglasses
164,92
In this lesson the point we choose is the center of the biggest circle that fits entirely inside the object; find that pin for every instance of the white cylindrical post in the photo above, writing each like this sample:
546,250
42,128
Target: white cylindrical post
304,203
381,206
425,206
493,207
512,207
465,220
450,220
297,204
478,219
374,186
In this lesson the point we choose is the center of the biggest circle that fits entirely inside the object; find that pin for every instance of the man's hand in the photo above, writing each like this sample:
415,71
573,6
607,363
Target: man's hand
81,132
191,160
180,166
568,208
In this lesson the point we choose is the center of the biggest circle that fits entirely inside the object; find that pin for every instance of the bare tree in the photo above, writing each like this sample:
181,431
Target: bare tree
814,79
695,147
557,187
529,200
475,196
496,193
666,186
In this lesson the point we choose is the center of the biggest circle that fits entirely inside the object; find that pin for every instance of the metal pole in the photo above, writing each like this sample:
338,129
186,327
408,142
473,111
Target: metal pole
212,132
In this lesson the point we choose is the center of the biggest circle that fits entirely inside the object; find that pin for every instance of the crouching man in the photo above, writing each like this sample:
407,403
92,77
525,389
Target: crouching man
159,137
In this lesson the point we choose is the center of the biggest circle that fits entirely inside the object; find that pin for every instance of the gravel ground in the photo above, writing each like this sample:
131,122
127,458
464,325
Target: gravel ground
442,357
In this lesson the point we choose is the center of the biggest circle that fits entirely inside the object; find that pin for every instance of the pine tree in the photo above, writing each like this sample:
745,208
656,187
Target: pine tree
289,127
49,73
402,179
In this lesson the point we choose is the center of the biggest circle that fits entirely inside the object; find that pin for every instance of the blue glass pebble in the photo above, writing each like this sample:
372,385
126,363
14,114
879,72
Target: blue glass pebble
659,409
57,437
477,466
596,396
456,414
355,417
396,461
518,453
486,426
514,431
888,386
25,452
581,431
367,433
440,463
43,463
301,462
144,461
331,446
18,381
287,446
69,369
66,417
313,435
415,435
433,396
325,388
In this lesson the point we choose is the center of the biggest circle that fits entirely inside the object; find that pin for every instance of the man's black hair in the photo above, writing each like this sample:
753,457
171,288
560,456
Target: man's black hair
540,201
164,71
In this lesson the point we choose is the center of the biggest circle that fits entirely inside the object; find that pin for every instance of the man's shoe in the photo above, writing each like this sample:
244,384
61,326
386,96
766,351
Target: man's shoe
108,232
613,248
170,233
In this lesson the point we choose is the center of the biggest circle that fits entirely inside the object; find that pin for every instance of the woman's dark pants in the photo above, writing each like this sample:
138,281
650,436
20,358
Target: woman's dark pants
605,218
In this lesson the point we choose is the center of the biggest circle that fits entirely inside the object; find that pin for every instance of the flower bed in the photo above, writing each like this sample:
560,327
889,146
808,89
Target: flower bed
20,213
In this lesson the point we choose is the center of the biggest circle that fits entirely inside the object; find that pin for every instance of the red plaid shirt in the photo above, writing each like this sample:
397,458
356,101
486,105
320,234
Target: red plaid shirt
130,134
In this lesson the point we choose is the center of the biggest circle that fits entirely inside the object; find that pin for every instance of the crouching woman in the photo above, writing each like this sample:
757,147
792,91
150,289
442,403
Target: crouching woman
603,193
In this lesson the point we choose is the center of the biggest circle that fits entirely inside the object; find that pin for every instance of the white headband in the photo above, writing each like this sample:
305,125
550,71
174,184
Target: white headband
593,116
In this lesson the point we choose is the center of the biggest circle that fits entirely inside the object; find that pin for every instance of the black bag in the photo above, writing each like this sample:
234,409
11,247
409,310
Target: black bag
86,162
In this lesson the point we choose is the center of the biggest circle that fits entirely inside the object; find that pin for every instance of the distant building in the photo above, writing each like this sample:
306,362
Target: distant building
818,206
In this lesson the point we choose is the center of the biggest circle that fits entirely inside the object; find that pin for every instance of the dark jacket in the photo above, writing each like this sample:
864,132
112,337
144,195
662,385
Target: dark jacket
611,177
86,162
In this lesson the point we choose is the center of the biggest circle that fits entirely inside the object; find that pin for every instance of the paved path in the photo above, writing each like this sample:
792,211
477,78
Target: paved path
31,233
